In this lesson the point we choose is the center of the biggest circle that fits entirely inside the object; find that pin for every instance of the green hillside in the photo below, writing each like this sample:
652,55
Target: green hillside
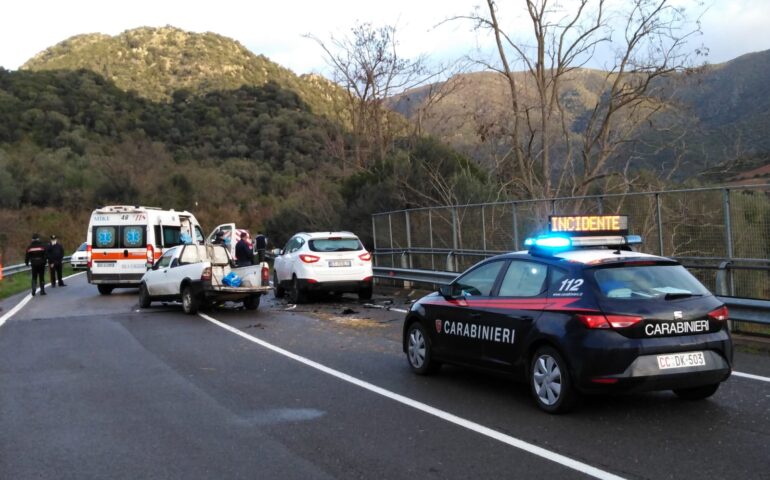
723,112
156,62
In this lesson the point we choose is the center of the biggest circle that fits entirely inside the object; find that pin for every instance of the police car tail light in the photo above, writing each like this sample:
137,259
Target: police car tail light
599,320
366,256
309,258
206,274
593,320
150,255
720,314
623,321
265,276
88,256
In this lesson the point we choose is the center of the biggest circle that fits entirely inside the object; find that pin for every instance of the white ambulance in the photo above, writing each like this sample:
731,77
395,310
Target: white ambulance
124,241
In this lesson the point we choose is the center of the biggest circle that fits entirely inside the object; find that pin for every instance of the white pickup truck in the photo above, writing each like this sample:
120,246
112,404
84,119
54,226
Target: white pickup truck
194,273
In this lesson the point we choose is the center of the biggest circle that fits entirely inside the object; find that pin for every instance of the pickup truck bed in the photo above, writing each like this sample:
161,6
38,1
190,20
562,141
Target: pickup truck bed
194,274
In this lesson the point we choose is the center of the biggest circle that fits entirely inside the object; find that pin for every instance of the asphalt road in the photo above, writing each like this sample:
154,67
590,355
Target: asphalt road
93,387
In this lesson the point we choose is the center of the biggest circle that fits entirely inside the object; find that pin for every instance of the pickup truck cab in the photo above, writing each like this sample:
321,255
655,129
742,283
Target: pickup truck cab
194,274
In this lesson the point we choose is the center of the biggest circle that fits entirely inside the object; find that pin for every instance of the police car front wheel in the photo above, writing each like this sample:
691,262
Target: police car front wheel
550,381
418,351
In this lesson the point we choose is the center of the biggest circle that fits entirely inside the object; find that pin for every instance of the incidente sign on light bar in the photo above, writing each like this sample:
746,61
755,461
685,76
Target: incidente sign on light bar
592,224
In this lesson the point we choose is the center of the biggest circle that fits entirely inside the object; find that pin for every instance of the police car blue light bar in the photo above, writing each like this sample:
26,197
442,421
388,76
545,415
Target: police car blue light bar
575,231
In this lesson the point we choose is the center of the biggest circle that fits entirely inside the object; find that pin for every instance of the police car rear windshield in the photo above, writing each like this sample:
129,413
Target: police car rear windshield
335,245
640,282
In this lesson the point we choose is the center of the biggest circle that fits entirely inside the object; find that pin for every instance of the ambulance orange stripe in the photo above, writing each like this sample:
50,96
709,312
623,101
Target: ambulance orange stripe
98,256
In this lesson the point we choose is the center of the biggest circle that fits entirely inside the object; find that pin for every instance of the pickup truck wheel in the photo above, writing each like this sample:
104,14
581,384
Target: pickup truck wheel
105,289
190,303
252,302
296,294
144,297
279,291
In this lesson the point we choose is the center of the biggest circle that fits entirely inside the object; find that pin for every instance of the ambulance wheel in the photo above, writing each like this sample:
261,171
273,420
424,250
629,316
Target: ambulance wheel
696,393
105,289
296,294
190,303
550,381
279,291
144,297
252,302
419,352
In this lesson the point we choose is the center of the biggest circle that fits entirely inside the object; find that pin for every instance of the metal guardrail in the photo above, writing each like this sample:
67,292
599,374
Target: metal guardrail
24,268
741,309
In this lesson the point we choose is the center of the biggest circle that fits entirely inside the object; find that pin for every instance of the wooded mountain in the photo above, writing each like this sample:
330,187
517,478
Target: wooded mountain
166,118
726,111
157,62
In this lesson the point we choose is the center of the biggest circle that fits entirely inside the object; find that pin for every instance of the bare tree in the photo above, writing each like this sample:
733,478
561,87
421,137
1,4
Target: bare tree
649,39
367,64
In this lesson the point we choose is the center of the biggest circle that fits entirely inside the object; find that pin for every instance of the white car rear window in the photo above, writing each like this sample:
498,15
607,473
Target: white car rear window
335,245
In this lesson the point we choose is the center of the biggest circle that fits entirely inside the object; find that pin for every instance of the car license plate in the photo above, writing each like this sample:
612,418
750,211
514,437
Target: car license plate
339,263
105,264
681,360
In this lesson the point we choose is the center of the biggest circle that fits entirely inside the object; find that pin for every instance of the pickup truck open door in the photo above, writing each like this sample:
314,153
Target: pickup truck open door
228,229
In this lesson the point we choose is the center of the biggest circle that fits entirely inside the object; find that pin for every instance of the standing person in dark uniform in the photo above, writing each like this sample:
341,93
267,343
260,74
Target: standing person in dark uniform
244,255
260,243
35,257
55,254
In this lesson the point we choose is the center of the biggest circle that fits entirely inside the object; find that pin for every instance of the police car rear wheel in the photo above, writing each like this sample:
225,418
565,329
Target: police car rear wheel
418,351
696,393
550,383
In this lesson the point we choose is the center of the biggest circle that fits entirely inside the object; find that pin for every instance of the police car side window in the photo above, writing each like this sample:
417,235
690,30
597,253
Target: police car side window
478,282
523,279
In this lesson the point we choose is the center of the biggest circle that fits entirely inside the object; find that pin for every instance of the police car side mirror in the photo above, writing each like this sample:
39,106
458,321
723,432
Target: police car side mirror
277,251
155,266
445,291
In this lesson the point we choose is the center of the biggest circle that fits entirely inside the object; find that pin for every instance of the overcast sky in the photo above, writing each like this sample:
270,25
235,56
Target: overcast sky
275,28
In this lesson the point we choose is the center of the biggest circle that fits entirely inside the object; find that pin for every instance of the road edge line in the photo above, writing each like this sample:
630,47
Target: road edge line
24,301
449,417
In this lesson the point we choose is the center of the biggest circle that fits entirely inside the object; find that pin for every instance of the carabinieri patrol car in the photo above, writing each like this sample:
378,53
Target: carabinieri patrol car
579,312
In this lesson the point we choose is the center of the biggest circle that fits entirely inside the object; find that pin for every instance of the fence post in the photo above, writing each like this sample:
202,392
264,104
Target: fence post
660,224
406,262
454,235
515,228
483,230
408,236
600,202
728,235
374,241
430,233
390,232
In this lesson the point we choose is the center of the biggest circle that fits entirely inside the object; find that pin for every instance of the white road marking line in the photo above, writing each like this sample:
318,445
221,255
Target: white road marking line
15,309
24,301
752,377
470,425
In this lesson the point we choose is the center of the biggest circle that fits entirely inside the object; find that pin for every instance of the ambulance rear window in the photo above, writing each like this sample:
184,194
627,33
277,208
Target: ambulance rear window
113,236
105,237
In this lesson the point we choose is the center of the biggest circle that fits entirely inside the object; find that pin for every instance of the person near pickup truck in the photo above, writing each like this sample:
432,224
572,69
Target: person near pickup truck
55,254
244,255
36,258
260,244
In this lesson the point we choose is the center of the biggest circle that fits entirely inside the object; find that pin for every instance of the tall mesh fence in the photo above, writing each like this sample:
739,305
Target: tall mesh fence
703,228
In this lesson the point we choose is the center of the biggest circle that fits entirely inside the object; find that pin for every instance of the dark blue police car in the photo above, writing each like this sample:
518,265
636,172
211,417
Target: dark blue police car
579,312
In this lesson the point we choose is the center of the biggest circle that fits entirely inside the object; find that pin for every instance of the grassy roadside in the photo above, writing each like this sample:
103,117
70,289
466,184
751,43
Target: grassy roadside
21,282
